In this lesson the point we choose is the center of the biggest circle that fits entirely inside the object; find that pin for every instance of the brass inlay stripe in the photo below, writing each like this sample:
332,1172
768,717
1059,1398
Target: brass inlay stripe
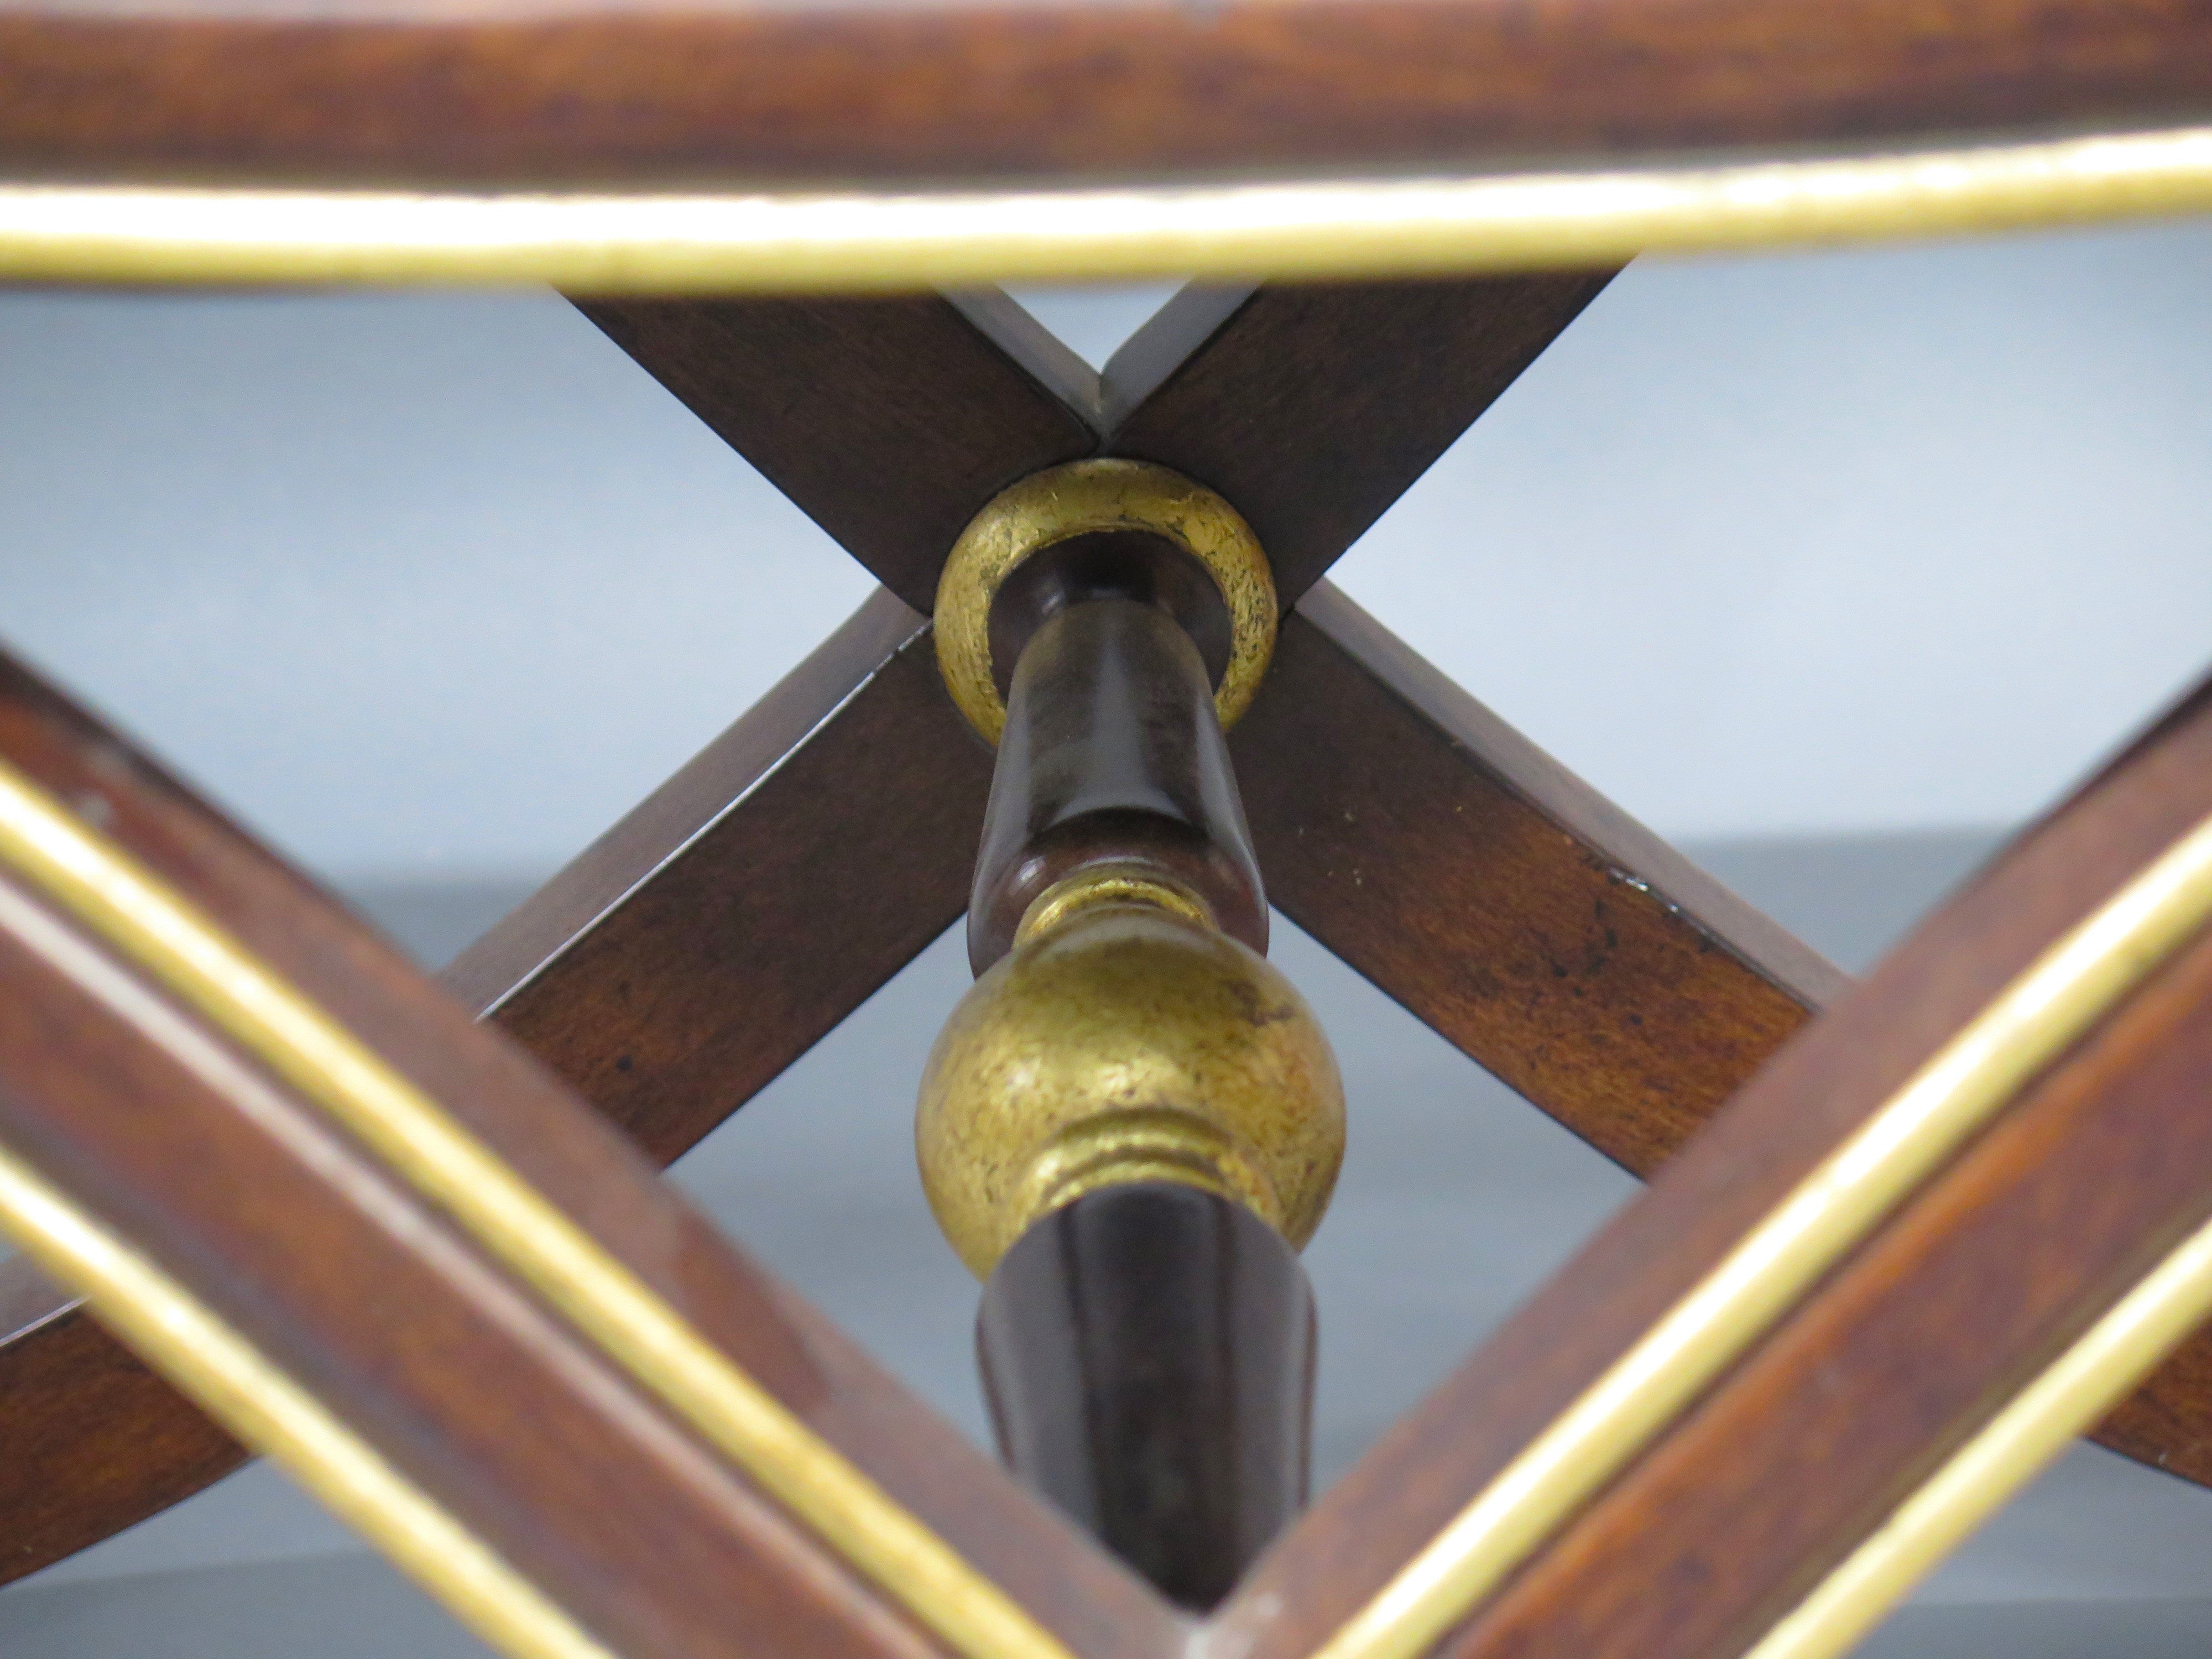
2018,1443
2064,992
1334,227
104,886
1972,1077
228,1378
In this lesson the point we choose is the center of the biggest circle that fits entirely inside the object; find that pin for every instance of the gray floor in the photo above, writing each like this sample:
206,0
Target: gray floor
1455,1200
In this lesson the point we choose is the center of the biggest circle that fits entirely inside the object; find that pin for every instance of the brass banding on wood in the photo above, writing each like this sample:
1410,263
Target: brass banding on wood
233,1383
1966,1082
2066,1400
765,241
2071,987
103,886
1082,498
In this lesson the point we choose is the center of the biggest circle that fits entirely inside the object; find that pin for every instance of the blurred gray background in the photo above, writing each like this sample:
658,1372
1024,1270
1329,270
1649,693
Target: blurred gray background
1834,567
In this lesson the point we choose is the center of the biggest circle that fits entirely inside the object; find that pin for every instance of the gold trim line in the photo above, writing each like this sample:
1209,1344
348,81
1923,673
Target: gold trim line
1110,882
2013,1448
105,887
236,1385
1337,227
1972,1077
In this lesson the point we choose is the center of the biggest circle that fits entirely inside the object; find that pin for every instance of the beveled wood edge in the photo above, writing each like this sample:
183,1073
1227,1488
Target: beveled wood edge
716,781
1190,390
1313,408
451,1395
1771,1133
1162,344
1043,356
888,421
583,1162
773,923
1637,855
1962,1294
28,1299
1568,952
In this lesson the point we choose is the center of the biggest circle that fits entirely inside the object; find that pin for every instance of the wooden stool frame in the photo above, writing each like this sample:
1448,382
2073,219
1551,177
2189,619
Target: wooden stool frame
739,914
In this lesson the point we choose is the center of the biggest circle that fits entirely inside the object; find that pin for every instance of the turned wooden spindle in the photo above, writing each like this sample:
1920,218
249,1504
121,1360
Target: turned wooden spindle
1148,1355
1112,755
1132,1123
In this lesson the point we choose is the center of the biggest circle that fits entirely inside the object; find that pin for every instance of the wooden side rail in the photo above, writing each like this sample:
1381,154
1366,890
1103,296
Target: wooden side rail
1797,1449
331,1252
1531,924
620,970
668,93
96,1440
1761,1447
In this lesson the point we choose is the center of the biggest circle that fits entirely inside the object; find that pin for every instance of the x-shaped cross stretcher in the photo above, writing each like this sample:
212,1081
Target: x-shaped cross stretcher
740,913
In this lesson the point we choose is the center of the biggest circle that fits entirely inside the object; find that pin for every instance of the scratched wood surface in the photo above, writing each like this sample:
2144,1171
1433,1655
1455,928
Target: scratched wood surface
1769,1135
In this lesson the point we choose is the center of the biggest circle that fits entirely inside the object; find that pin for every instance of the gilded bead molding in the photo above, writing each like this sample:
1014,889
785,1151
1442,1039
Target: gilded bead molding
1082,498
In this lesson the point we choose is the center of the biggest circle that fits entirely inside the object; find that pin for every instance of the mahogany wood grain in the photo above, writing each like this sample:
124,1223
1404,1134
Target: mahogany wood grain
622,967
1811,1094
533,91
582,1161
1312,408
2167,1422
889,423
95,1441
757,898
1802,1451
1502,901
361,1291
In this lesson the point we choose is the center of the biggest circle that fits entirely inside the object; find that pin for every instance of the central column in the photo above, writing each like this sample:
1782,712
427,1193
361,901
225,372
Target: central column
1132,1123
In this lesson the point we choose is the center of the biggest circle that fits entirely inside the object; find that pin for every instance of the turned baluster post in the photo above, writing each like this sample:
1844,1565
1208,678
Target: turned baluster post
1132,1123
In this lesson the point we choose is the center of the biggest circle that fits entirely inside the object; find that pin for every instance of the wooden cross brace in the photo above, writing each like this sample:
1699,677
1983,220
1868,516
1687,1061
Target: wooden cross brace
740,912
